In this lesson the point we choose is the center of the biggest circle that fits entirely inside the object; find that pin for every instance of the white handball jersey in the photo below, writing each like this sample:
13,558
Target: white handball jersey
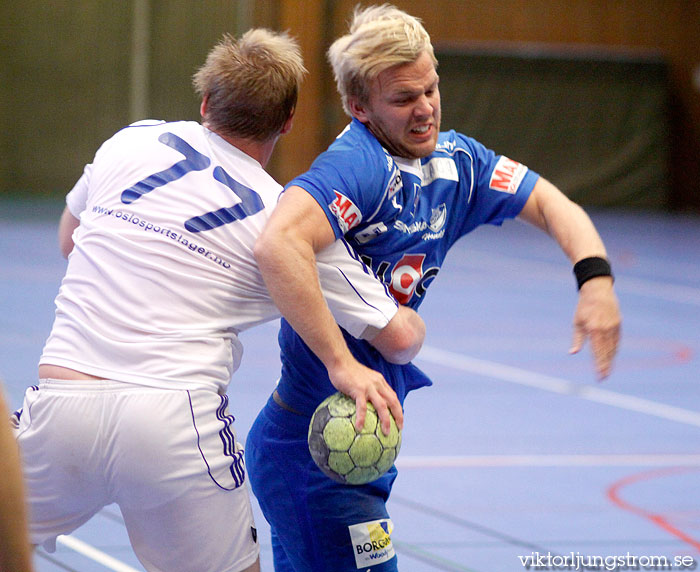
162,276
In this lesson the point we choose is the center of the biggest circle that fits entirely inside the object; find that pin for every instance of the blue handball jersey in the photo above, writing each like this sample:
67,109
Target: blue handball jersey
401,216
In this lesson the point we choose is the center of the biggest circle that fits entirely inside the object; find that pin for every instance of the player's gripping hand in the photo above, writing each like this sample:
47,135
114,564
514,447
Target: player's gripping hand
598,318
364,384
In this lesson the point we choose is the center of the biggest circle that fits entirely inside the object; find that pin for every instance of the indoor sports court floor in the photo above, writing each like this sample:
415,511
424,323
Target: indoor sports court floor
517,457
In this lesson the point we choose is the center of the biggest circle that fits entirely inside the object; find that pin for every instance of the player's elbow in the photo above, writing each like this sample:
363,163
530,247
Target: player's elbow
406,348
401,340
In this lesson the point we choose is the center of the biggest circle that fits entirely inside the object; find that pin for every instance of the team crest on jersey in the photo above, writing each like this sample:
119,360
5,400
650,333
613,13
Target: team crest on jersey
438,217
371,542
507,175
347,213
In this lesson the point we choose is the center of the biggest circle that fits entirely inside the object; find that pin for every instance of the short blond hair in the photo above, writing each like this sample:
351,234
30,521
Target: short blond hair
380,37
251,84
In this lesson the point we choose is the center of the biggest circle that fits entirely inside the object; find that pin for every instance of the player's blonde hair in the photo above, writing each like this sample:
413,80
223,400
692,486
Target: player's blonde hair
380,37
251,83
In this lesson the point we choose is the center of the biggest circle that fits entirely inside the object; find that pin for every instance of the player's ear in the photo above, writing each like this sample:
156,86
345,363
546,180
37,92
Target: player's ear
287,127
358,109
203,106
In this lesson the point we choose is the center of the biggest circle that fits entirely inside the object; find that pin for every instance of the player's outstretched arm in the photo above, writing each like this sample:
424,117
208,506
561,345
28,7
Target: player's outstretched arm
597,317
285,253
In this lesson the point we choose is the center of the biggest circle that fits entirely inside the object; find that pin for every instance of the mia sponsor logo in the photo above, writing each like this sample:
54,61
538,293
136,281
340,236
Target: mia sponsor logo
371,542
507,176
347,213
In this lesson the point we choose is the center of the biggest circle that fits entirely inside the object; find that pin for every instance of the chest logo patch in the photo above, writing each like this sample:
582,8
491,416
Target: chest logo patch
439,168
405,277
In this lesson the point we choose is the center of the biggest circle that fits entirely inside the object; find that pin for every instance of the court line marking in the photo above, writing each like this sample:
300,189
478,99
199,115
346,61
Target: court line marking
94,554
656,518
558,385
662,290
411,550
667,291
40,553
593,460
462,522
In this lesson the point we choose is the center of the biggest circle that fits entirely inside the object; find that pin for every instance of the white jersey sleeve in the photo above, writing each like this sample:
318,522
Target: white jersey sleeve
76,199
355,296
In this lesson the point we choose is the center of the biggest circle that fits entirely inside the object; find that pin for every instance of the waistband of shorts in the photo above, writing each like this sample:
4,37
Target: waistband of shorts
96,385
284,417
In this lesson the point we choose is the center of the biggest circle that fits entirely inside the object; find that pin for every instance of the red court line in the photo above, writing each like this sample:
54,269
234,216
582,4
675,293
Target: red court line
613,494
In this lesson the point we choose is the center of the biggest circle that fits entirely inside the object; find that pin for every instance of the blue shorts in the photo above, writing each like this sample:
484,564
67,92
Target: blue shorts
317,524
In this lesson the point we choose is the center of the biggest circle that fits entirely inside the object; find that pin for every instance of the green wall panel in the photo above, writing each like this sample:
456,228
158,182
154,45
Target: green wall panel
66,72
596,127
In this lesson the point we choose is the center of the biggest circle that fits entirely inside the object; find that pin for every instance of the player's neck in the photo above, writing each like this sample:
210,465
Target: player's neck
261,151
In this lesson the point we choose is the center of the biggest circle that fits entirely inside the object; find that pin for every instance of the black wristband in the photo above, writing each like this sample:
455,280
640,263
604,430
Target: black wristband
588,268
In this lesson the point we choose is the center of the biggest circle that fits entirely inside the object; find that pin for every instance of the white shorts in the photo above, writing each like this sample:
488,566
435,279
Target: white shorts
168,458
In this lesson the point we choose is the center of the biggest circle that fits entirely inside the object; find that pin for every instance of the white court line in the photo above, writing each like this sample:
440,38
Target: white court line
557,385
94,554
625,460
667,291
661,290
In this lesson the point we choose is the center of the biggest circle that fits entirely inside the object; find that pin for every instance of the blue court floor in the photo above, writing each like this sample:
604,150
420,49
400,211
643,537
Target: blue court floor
516,458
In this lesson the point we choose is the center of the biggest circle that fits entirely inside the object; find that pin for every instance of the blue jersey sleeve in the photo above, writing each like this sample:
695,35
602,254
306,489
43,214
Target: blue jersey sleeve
348,180
498,187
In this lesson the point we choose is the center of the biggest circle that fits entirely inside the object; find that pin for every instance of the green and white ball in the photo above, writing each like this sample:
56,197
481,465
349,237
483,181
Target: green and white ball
345,454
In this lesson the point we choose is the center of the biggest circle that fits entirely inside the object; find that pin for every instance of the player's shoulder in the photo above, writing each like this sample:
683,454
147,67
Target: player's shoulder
146,127
452,142
147,123
146,137
466,152
358,150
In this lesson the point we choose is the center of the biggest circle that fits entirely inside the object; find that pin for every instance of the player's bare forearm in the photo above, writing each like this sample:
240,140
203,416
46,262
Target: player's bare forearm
285,253
401,340
597,317
552,211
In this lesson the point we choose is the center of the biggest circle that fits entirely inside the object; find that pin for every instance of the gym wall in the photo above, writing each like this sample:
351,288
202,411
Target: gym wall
596,95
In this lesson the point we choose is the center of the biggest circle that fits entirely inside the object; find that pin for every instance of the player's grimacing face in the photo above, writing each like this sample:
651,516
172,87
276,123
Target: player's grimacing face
403,111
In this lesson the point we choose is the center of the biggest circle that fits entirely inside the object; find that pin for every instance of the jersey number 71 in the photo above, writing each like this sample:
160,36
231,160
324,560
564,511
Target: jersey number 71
250,204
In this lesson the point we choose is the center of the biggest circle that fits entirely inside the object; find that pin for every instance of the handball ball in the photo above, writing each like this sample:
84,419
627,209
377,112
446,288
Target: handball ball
345,454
